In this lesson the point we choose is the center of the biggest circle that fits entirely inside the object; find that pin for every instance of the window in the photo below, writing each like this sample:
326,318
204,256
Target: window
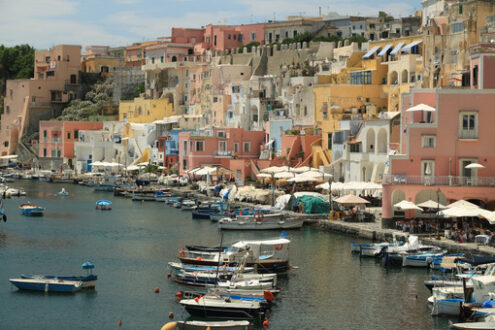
325,114
221,134
215,99
253,36
229,36
215,40
457,27
295,33
185,147
246,146
236,146
47,59
76,134
468,125
305,110
152,60
329,141
236,89
361,78
54,153
68,135
161,59
7,109
429,141
184,164
50,73
44,152
270,37
222,146
200,145
240,38
44,133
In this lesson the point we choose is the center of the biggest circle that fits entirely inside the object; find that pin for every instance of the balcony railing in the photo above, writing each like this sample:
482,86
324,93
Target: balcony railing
403,179
223,153
465,134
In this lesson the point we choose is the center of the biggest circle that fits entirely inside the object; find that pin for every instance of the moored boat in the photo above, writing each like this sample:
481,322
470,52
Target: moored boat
473,326
217,307
47,284
238,224
103,205
88,280
205,325
30,209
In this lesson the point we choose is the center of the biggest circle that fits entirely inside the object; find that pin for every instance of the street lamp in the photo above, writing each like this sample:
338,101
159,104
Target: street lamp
438,212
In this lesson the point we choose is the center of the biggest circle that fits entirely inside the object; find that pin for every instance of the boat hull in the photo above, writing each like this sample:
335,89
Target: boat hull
261,265
447,307
47,285
201,310
260,225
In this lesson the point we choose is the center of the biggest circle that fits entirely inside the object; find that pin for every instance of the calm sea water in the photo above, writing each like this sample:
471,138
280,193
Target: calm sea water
132,244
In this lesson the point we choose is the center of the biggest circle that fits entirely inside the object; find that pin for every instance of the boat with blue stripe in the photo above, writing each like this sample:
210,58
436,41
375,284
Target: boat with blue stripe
30,209
46,285
88,280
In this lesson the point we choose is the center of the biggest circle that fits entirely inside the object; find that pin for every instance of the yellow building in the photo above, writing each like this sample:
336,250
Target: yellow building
145,110
101,64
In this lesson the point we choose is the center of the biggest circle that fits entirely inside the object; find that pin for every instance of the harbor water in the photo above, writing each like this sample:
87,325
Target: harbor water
131,245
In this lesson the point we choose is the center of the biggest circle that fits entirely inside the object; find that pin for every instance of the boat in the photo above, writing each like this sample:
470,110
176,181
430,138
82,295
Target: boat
143,196
188,205
420,259
373,249
193,268
30,209
473,326
63,192
47,284
103,205
265,255
238,224
218,307
103,187
88,280
446,307
204,212
14,192
227,279
206,325
393,255
244,292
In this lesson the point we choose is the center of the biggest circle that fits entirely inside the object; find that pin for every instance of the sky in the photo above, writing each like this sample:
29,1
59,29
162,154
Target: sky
45,23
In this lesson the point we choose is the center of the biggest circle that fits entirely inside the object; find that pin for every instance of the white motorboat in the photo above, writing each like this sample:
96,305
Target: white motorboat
218,307
206,325
473,326
238,224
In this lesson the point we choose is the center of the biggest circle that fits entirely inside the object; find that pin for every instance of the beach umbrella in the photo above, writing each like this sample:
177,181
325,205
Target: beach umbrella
275,169
421,107
284,175
488,215
406,205
303,169
461,211
324,186
463,203
351,200
133,168
431,205
264,175
474,165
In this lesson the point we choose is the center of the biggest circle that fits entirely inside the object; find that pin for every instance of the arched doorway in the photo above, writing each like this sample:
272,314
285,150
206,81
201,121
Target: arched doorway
382,141
370,140
397,196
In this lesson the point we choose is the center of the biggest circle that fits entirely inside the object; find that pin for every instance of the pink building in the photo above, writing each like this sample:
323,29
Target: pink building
232,148
221,37
437,146
57,138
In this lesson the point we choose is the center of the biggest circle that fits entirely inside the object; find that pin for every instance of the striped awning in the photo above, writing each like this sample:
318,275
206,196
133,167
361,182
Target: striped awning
371,52
411,45
385,49
396,48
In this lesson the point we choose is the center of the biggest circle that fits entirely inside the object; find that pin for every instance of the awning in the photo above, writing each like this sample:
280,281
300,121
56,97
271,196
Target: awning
411,45
269,143
396,48
353,142
385,49
371,52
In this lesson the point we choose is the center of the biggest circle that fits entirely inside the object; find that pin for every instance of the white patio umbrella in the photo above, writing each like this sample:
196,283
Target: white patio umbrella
133,168
275,169
406,205
302,178
474,165
461,211
463,203
324,186
264,175
205,171
488,215
351,200
284,175
421,107
432,205
303,169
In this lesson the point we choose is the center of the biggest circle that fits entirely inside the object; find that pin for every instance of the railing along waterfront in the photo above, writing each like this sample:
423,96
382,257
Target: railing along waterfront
403,179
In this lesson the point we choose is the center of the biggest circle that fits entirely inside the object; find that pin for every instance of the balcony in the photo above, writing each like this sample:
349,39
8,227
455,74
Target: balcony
461,181
465,134
224,153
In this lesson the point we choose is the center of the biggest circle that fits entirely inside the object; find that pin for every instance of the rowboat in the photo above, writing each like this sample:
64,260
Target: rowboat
204,325
47,284
30,209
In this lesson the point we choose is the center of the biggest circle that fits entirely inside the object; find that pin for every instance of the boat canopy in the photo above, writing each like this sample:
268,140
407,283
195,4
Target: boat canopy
88,265
277,241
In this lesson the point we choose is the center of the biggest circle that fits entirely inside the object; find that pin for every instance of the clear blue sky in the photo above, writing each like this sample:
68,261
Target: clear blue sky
44,23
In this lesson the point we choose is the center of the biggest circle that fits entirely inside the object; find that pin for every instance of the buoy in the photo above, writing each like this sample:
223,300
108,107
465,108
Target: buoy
169,274
268,295
265,324
170,315
120,323
198,258
196,299
157,290
178,294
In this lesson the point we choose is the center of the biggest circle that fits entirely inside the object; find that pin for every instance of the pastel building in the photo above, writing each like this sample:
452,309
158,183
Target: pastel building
57,138
222,37
27,101
436,149
142,110
232,148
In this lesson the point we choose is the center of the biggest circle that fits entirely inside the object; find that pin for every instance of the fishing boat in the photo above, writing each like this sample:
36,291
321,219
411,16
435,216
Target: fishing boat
216,278
88,280
204,212
473,326
188,205
267,255
15,192
267,294
30,209
103,205
47,284
373,249
144,196
218,307
393,255
239,224
421,259
446,307
193,268
103,187
206,325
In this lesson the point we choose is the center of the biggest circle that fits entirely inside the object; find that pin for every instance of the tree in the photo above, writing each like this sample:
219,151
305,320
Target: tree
94,103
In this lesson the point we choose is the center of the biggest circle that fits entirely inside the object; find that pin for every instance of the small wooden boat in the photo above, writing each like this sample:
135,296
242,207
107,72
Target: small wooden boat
204,325
214,306
47,284
88,280
30,209
103,205
238,224
473,326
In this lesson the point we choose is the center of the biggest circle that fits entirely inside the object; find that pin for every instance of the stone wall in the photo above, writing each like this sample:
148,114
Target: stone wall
125,81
